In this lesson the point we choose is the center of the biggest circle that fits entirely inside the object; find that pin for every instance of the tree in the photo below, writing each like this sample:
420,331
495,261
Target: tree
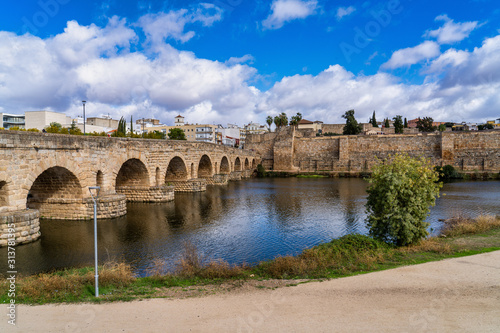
295,119
425,124
351,125
283,119
442,127
176,134
400,194
121,131
406,123
269,121
387,124
277,122
54,127
156,135
74,130
398,124
131,127
373,120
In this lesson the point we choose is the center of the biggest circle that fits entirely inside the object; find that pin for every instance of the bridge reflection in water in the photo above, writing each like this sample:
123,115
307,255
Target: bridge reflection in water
242,222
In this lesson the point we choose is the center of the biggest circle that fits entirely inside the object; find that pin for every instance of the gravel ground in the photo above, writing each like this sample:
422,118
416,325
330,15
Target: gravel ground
453,295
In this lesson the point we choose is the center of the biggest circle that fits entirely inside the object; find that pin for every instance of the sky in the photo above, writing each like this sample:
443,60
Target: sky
239,61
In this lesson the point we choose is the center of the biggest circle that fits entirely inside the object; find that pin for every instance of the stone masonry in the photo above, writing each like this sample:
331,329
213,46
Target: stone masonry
49,174
292,151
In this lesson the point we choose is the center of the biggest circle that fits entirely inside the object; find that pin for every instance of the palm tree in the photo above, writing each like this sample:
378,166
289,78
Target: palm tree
269,121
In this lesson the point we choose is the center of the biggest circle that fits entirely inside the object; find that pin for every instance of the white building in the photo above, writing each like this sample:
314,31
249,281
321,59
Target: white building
42,119
8,120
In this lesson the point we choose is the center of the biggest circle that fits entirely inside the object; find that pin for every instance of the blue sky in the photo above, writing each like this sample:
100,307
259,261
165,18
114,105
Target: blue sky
236,61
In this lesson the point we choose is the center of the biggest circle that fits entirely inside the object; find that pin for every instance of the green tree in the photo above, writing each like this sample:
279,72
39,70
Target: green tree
398,124
442,127
157,135
351,125
295,119
400,194
54,127
121,131
406,123
131,127
425,124
74,130
373,120
283,119
269,121
176,134
387,124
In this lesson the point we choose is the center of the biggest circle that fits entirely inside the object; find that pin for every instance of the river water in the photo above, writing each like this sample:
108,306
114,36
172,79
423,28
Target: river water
244,222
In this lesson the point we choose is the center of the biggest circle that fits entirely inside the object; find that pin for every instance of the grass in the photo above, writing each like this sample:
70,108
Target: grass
195,275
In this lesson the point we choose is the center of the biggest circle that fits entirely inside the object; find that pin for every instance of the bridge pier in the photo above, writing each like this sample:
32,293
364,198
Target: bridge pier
162,193
19,227
108,206
191,185
235,175
219,179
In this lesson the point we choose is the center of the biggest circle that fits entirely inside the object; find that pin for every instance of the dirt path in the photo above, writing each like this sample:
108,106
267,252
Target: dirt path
454,295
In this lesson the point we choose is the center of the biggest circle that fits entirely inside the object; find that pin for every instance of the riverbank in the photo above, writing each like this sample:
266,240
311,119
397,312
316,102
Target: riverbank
346,256
459,294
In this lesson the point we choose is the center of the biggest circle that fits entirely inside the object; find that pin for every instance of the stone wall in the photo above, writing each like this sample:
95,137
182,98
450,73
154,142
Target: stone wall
218,179
466,151
192,185
19,227
108,206
162,193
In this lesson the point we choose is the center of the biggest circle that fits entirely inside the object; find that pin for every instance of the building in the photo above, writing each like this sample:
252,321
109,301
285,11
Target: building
229,136
495,123
316,126
103,122
196,132
8,120
251,128
42,119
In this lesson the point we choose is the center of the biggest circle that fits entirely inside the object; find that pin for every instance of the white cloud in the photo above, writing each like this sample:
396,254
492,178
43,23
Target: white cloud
241,60
162,26
451,32
413,55
345,11
288,10
98,65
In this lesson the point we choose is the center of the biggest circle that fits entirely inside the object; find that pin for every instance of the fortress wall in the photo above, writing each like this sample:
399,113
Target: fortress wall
466,151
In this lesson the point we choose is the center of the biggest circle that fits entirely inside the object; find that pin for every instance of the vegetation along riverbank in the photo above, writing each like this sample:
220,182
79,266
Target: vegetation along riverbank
195,276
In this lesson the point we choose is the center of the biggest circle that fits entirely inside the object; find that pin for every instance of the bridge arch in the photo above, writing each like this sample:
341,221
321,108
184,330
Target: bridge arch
132,173
4,194
158,176
247,164
99,179
54,183
205,169
254,164
237,164
224,166
176,170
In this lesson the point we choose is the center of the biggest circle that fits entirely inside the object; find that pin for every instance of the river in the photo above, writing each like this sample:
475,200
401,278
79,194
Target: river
244,222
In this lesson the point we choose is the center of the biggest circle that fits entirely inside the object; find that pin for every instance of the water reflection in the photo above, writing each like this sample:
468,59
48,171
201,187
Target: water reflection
246,221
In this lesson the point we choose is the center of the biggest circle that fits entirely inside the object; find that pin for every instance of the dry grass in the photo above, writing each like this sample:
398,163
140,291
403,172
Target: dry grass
194,264
51,286
428,245
462,225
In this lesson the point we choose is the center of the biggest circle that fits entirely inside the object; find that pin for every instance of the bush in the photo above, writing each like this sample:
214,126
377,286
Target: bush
261,172
399,196
447,172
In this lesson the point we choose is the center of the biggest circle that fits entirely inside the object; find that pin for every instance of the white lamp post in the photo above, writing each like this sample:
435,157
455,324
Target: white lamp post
96,189
84,116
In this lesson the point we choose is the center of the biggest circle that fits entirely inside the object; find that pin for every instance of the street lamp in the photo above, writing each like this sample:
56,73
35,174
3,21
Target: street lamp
96,190
84,116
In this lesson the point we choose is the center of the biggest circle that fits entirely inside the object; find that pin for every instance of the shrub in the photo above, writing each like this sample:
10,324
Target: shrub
447,172
399,196
261,172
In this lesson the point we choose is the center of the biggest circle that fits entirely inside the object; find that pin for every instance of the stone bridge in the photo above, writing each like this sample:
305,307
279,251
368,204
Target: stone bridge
48,175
